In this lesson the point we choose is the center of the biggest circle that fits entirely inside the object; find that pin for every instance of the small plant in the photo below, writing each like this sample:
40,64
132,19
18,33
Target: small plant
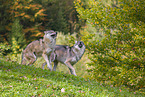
17,37
4,49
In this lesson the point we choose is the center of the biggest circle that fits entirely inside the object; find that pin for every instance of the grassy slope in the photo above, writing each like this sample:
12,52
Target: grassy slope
18,80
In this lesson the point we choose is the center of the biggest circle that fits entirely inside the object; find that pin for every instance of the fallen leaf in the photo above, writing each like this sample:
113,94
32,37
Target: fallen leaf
120,90
62,90
34,78
48,86
39,95
25,77
36,88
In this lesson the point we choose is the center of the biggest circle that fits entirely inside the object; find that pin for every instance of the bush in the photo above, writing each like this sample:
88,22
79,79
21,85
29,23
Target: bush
13,49
4,49
118,58
66,39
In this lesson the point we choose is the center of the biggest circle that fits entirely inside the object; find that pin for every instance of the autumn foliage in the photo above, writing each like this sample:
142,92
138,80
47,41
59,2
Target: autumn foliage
118,58
36,16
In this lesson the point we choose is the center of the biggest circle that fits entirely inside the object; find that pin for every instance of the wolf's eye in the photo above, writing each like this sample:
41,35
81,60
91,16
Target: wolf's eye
80,45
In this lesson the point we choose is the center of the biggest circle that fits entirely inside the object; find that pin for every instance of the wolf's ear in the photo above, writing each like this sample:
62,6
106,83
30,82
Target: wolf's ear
45,32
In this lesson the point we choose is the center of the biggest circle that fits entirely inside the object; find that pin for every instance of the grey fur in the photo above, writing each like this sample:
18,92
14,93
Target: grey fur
42,47
67,55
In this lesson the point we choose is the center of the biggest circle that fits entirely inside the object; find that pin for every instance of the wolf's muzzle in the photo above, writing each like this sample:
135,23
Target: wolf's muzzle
80,44
54,34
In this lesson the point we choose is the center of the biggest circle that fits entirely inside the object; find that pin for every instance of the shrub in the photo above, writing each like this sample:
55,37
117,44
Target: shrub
13,49
66,39
4,49
118,58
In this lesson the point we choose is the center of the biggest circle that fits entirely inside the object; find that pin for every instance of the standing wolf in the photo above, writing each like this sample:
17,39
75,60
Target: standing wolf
43,47
67,55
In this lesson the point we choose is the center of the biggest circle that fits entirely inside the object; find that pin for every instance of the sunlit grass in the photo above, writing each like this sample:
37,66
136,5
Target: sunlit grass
18,80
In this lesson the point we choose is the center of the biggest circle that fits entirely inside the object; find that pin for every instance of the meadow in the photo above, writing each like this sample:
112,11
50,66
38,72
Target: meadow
113,64
18,80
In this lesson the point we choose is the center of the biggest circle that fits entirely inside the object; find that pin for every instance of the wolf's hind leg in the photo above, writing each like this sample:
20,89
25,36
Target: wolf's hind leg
32,59
24,61
55,65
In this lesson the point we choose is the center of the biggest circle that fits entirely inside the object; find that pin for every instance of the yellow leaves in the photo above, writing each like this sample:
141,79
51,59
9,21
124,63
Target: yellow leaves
40,12
19,7
22,14
27,16
97,22
17,46
33,30
35,6
17,14
28,29
27,7
78,1
32,5
38,33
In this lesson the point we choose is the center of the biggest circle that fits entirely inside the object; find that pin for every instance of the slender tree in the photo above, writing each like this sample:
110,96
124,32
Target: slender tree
16,37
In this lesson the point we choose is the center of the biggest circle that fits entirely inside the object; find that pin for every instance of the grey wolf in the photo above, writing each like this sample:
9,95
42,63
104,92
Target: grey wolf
42,47
67,55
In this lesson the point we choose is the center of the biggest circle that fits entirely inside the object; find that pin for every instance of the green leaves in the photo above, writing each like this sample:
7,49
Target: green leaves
118,57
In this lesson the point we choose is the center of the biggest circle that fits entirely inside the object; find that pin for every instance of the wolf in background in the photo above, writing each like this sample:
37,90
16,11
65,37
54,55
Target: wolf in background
67,55
42,47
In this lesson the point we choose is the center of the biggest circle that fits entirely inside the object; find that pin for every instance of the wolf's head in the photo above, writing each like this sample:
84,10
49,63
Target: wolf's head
50,35
79,49
79,45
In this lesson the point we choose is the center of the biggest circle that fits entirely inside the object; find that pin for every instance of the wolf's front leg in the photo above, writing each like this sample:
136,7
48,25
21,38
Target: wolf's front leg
43,65
47,59
72,70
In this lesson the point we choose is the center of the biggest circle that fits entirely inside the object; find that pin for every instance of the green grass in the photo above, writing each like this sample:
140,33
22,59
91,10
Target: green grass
62,39
80,66
17,80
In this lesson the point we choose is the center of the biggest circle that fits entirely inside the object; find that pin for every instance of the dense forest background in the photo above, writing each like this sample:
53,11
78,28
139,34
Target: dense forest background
112,30
35,16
